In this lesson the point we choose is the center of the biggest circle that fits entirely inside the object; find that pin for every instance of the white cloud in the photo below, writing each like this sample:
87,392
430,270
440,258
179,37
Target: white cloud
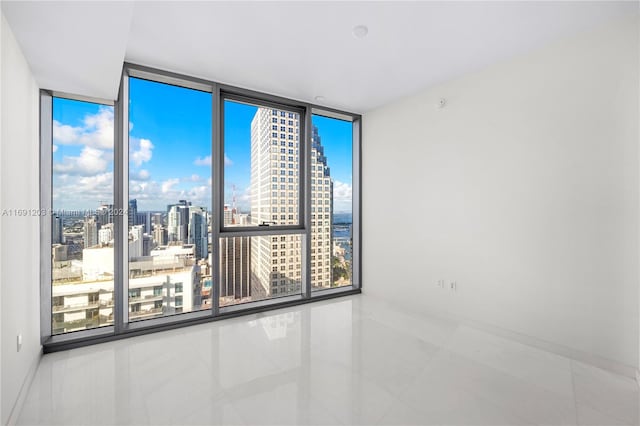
342,197
195,178
142,150
342,191
54,148
168,185
91,161
82,192
198,193
65,134
206,161
96,131
141,175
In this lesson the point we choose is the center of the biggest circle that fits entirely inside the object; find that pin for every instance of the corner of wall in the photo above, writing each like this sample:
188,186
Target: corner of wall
19,236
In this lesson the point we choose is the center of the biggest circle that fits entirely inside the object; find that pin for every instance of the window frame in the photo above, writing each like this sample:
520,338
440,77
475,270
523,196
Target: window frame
220,92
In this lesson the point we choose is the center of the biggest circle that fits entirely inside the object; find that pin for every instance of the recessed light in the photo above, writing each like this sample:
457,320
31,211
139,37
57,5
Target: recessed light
319,98
360,31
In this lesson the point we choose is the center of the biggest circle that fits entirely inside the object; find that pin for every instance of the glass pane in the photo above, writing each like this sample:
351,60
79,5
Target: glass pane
331,202
258,268
261,165
169,212
82,198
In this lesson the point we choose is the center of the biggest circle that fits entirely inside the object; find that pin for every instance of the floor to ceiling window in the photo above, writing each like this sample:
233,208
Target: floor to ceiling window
186,199
81,211
169,203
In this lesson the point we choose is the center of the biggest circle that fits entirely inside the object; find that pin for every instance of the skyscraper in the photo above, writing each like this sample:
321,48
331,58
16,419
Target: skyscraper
235,265
159,235
104,214
321,214
90,232
275,179
136,233
178,222
133,212
197,231
57,230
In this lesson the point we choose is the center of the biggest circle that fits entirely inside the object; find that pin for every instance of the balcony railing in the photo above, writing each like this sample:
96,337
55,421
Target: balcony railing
148,298
69,308
144,313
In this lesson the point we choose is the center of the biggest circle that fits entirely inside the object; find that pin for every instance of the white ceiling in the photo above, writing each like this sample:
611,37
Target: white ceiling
295,49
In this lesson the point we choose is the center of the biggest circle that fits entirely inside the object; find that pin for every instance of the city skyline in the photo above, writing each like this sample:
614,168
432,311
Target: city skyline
170,150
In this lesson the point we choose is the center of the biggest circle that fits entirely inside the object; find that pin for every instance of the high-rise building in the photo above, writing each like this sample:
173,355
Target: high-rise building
159,235
104,214
321,214
133,212
276,260
197,231
156,219
235,269
90,232
228,218
57,230
235,265
178,222
144,218
136,242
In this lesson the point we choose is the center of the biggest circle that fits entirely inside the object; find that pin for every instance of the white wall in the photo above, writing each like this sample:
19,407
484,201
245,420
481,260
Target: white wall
19,236
523,189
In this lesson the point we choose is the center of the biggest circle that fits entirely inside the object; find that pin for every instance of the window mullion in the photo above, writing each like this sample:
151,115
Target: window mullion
121,193
217,187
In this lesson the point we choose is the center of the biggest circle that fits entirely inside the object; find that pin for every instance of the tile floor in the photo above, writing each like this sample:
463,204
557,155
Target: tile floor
353,360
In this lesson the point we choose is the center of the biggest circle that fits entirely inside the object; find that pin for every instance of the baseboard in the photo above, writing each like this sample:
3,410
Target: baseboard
558,349
22,395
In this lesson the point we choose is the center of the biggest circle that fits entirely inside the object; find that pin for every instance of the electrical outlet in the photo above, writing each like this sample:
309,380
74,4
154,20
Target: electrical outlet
19,342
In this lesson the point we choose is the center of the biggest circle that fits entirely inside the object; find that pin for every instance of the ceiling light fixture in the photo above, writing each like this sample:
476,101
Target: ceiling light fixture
360,31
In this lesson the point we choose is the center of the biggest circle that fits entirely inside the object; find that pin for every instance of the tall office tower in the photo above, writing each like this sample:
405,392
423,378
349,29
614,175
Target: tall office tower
321,215
57,230
159,235
133,212
144,218
178,221
104,214
276,260
90,232
197,231
235,265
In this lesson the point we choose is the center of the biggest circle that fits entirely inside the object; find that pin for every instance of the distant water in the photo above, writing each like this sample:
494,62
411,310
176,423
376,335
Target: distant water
342,225
342,218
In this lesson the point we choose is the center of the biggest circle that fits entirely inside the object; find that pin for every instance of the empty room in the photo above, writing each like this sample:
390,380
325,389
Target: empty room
320,212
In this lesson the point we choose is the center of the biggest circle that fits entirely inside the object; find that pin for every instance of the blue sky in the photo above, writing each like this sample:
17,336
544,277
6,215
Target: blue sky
170,150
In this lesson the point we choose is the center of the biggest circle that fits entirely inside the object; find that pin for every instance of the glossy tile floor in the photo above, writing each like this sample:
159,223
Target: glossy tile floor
345,361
